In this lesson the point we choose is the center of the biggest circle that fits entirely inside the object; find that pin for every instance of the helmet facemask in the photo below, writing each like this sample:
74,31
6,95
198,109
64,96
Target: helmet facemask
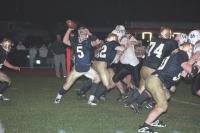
83,34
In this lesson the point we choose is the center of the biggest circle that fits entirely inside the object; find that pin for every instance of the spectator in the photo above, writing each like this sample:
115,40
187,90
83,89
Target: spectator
58,50
20,46
32,56
50,60
43,51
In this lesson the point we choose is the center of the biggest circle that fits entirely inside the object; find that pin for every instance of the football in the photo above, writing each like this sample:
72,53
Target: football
71,24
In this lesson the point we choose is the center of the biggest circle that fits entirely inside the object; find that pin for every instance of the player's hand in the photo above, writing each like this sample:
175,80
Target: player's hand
17,68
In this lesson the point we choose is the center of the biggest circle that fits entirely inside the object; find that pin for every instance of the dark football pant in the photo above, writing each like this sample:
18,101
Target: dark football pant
196,84
122,73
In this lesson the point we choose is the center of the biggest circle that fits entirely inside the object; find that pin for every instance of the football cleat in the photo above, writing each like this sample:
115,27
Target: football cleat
145,129
122,98
158,123
57,100
92,103
2,98
126,104
135,107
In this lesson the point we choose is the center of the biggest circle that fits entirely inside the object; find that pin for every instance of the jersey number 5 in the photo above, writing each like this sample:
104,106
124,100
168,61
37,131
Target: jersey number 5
79,50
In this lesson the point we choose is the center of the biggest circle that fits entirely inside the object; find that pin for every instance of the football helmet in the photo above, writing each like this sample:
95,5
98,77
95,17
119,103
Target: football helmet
165,32
112,37
194,36
187,47
6,44
83,33
181,38
119,31
196,48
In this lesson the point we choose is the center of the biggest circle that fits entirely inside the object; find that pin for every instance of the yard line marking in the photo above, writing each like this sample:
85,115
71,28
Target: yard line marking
185,102
119,131
175,131
61,131
1,128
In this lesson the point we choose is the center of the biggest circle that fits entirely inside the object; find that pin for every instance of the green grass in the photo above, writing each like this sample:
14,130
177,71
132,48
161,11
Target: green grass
31,110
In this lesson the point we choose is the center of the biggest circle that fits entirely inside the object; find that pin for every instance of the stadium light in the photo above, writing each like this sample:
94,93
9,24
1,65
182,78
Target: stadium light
38,62
147,33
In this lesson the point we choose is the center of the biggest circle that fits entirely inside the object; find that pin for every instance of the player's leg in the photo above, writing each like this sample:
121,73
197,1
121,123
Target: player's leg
155,87
93,75
69,82
196,85
4,84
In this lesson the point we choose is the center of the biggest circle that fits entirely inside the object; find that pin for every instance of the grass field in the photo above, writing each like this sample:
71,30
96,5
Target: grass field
31,110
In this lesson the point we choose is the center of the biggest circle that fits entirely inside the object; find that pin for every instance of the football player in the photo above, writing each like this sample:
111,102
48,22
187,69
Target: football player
194,37
181,38
158,83
124,71
128,69
100,63
104,60
159,48
5,47
83,48
194,62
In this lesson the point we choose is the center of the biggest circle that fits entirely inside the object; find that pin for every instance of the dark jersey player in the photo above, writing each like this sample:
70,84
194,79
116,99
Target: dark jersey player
82,46
168,73
159,48
5,81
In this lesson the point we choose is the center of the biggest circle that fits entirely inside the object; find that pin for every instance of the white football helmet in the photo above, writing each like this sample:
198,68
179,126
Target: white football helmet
181,38
119,31
196,47
194,36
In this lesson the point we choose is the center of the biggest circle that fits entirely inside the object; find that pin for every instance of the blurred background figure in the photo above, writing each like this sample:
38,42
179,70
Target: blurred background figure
50,60
20,46
43,52
58,50
2,130
32,56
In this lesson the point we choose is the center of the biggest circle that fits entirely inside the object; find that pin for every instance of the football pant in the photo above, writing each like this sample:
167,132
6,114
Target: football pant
74,75
105,73
145,72
158,91
4,78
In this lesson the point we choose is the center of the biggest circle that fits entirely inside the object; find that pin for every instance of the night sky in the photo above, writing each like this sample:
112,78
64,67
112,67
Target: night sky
100,12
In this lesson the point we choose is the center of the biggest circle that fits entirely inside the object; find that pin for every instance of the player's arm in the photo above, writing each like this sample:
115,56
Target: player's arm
121,48
134,41
7,64
66,38
189,71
